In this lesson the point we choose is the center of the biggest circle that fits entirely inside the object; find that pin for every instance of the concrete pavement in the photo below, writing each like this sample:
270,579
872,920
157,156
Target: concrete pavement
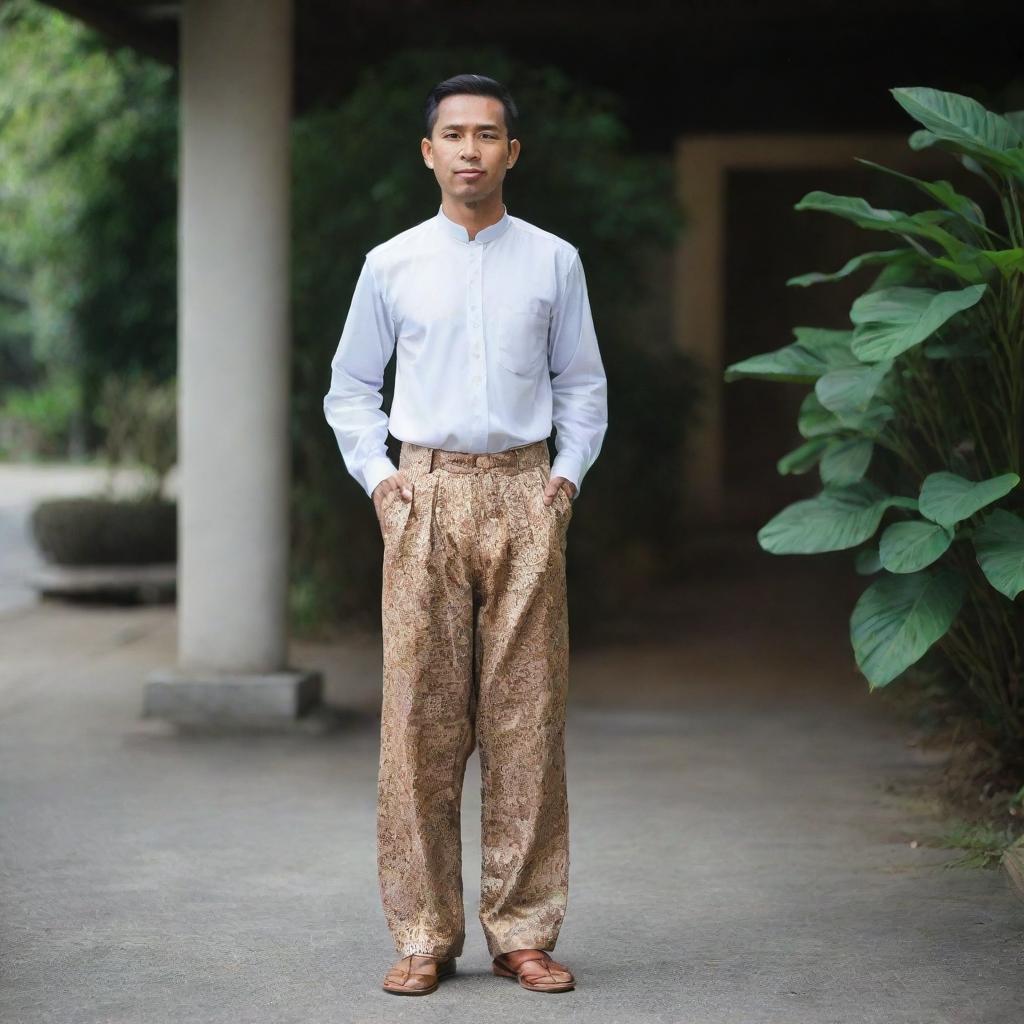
741,818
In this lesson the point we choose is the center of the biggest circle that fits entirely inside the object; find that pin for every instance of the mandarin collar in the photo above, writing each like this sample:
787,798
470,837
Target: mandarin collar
487,234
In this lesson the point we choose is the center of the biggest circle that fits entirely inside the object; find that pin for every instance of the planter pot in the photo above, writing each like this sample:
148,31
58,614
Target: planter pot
106,548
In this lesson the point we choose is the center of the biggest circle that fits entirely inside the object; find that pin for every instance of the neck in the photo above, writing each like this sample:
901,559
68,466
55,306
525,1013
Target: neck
474,216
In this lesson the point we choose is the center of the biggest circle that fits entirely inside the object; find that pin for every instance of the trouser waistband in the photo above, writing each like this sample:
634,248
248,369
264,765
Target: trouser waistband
421,457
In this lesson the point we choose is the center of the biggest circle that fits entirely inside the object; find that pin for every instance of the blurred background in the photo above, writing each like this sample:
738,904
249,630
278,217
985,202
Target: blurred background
186,194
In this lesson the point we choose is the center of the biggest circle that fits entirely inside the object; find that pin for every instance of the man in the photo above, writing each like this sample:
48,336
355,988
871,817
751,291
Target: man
495,346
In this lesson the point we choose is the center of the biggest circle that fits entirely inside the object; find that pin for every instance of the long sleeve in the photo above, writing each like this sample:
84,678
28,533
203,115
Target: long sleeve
578,384
352,406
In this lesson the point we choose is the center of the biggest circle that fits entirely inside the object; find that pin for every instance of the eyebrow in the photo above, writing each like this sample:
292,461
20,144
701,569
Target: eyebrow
481,126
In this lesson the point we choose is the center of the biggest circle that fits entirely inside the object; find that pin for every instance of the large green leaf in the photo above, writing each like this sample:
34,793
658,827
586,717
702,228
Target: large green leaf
846,462
831,346
921,225
873,421
922,139
802,361
790,363
942,191
801,459
910,546
906,257
999,543
849,391
836,519
963,122
893,320
899,617
814,420
980,265
948,499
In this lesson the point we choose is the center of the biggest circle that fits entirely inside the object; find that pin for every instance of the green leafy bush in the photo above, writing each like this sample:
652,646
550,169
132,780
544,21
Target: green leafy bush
36,422
88,226
925,394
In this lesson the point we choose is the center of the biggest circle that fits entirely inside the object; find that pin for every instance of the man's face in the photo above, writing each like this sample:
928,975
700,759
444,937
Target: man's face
470,136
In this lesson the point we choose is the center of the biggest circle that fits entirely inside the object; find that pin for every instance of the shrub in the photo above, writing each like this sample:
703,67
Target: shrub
106,531
37,422
925,394
88,227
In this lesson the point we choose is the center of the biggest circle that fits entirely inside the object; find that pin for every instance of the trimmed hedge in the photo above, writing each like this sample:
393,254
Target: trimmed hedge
106,531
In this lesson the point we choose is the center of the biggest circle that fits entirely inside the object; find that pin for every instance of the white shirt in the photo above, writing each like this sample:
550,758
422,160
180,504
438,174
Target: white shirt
495,346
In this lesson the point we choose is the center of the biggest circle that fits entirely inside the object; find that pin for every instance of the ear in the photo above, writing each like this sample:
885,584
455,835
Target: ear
427,149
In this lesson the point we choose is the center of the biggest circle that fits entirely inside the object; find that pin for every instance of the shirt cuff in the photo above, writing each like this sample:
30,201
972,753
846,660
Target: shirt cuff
570,467
377,469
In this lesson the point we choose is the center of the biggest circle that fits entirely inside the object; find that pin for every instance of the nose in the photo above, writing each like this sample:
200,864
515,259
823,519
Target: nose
469,147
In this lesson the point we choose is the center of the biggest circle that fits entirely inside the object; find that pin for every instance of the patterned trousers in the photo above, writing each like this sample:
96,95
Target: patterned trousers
476,652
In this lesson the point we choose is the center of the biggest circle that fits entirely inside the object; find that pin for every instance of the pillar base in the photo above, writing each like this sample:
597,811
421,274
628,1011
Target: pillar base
232,701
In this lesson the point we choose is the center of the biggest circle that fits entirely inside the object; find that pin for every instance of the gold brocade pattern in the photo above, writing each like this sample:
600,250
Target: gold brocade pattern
476,652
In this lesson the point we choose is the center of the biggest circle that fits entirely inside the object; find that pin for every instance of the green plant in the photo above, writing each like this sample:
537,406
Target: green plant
1013,863
37,421
88,215
984,846
139,417
926,391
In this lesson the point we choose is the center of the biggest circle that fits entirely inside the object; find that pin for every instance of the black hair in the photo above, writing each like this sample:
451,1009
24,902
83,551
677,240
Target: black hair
474,85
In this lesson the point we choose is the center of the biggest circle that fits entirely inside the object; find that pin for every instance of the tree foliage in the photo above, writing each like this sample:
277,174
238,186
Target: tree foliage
87,207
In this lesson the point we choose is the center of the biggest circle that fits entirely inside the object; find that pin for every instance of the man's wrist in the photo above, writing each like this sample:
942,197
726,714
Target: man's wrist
377,469
568,467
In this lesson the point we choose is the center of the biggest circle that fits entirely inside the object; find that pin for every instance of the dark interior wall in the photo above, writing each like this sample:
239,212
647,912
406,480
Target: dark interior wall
690,66
693,67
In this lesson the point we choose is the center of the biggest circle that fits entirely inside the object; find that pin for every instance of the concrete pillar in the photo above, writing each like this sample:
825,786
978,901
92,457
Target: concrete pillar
234,339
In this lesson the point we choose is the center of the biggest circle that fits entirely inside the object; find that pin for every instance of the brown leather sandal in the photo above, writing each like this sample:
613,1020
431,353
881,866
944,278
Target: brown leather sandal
403,980
555,977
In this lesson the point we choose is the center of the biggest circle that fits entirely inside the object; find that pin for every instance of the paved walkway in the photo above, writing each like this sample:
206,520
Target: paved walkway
742,813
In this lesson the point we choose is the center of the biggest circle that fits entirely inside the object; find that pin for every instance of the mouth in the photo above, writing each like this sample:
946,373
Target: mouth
470,175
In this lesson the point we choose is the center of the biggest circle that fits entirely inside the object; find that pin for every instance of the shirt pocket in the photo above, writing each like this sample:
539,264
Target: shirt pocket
522,340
